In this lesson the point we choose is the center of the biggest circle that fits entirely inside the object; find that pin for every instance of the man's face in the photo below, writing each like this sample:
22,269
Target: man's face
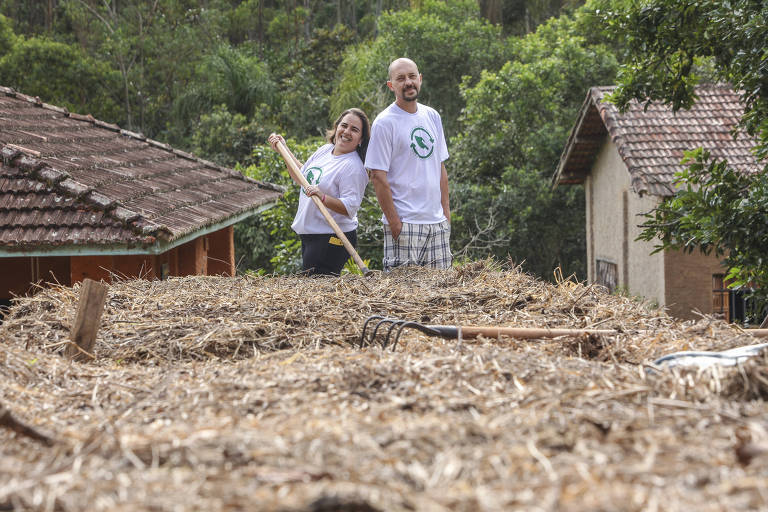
405,80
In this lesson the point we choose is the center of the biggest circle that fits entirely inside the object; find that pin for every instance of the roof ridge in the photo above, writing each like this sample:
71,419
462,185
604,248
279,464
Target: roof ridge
63,183
650,138
10,92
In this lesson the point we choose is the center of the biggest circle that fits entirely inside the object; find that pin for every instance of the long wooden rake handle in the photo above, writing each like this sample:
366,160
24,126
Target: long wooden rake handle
471,331
296,175
392,328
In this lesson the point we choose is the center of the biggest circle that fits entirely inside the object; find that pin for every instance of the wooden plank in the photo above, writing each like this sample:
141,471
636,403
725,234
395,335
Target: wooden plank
82,337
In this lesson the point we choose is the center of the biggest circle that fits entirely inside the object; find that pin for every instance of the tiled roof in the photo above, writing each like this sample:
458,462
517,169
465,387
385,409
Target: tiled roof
651,141
68,179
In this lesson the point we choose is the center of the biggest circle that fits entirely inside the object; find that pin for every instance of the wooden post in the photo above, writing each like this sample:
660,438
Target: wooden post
82,337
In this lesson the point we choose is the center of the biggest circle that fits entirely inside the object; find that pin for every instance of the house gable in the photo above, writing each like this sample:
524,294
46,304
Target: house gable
629,170
652,139
613,215
71,184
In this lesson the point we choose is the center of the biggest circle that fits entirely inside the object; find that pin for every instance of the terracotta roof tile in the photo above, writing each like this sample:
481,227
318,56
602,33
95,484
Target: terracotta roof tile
652,141
69,179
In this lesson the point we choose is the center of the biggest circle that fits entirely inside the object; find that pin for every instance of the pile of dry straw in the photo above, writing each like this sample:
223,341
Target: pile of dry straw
251,393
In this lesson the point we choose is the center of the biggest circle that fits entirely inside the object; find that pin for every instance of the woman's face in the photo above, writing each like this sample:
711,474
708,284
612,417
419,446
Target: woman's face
349,131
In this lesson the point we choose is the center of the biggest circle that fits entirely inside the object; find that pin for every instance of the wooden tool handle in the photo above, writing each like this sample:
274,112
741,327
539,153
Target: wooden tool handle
471,331
296,174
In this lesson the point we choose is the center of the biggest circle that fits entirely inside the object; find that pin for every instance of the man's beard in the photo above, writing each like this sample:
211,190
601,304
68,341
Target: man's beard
415,96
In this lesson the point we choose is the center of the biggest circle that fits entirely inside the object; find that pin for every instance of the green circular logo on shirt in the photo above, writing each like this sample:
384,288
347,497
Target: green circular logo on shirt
313,176
422,143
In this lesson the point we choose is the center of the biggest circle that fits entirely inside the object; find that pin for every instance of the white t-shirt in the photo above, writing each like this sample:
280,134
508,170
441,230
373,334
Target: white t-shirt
411,149
342,177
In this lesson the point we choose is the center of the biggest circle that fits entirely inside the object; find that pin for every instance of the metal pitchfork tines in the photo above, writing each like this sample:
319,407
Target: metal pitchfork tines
396,328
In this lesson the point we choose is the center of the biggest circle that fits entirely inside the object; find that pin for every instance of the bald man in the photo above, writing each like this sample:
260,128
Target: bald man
406,156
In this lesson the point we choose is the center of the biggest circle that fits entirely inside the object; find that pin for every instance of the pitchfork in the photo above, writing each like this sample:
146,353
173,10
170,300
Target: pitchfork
397,326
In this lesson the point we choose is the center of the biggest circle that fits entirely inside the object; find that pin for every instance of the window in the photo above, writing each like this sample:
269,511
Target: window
735,306
720,298
607,274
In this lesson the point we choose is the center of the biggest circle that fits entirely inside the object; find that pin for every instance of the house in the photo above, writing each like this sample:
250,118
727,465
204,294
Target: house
627,163
82,198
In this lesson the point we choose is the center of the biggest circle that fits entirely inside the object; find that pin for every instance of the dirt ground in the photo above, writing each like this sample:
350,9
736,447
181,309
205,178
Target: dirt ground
252,393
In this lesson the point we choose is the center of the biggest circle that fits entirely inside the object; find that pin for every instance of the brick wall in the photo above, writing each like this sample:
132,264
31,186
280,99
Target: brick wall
193,257
132,266
18,274
221,252
93,267
209,255
688,282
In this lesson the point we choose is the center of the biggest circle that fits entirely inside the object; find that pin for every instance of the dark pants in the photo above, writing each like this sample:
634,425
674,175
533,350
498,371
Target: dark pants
325,254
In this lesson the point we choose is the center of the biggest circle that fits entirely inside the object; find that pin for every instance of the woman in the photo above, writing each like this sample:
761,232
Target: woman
336,175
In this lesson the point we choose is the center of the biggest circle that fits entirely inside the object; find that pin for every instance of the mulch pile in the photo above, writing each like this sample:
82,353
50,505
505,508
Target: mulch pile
251,393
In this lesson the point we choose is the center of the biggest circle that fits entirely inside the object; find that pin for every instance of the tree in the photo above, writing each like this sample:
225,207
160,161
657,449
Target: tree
153,45
447,40
31,18
7,36
309,82
59,74
227,76
716,209
513,129
523,16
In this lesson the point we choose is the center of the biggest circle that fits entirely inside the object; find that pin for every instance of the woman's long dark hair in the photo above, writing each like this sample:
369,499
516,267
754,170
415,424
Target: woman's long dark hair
366,135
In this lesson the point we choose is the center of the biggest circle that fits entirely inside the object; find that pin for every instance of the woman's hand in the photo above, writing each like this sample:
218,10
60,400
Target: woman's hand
274,138
313,190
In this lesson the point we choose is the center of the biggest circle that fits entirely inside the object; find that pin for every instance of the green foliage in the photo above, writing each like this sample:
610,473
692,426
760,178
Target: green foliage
514,126
716,209
274,225
309,83
227,138
447,40
227,77
350,267
7,36
231,95
363,77
60,74
666,38
153,45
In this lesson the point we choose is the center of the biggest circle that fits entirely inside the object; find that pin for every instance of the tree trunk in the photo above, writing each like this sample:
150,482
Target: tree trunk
376,23
491,10
307,21
261,28
49,15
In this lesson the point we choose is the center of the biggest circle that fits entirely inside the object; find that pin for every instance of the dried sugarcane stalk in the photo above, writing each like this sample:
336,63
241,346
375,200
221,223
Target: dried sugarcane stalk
8,421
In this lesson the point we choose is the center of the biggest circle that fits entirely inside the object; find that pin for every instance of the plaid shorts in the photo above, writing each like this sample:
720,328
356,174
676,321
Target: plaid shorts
427,245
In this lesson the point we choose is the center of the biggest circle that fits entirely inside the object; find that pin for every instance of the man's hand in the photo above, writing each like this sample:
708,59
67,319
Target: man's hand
396,228
387,205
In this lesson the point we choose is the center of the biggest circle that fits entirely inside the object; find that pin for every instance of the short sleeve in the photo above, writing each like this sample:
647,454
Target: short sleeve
379,154
443,146
352,188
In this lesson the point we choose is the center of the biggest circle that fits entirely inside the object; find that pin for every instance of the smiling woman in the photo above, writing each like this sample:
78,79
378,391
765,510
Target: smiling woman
336,175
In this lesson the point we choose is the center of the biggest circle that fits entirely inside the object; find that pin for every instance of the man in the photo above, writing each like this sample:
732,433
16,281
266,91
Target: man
406,157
